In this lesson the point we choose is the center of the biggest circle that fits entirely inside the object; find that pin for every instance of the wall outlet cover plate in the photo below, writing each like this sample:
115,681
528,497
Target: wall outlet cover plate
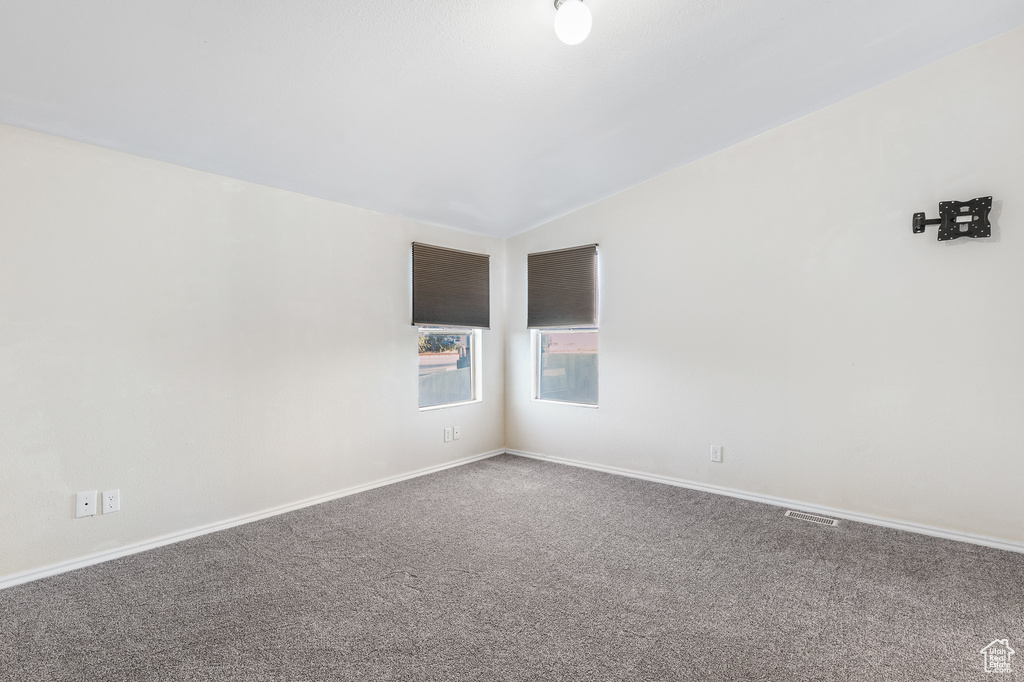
85,504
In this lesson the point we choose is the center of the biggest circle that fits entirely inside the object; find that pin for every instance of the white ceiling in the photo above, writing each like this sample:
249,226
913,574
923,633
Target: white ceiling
467,114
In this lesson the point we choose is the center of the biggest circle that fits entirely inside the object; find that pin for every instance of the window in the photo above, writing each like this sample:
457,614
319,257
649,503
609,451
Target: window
451,303
562,312
567,365
447,367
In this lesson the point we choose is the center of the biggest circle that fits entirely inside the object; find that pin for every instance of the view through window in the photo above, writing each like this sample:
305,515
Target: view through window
568,366
447,366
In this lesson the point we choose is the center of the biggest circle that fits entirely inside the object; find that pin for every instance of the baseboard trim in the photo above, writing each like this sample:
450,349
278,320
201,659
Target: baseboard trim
986,541
134,548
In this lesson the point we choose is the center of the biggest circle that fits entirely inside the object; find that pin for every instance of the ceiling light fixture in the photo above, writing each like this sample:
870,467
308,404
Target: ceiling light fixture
572,21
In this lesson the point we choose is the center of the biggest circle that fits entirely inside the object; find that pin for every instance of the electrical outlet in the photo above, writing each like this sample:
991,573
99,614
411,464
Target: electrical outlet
716,453
448,435
455,432
111,501
85,504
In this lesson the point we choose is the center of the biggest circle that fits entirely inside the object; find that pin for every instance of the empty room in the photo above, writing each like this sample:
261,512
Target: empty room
577,340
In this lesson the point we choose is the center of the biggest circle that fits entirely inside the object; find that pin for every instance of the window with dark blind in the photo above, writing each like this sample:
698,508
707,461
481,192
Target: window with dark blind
562,288
450,288
562,312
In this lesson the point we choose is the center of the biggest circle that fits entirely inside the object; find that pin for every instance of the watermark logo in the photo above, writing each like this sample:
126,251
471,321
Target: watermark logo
997,656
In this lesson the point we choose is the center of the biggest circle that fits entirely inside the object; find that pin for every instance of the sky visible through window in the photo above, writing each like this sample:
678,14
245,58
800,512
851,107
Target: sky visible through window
570,342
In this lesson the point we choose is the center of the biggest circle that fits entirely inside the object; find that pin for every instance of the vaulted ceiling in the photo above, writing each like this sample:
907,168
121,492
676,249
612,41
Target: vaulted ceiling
469,114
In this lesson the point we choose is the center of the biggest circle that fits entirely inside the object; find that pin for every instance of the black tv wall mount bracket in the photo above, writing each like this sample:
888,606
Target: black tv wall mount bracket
959,219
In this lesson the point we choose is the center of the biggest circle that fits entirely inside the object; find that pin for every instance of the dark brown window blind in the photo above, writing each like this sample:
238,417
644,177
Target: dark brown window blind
450,288
562,288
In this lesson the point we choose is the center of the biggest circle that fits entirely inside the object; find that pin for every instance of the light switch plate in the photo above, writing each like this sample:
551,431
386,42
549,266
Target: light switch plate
85,504
455,432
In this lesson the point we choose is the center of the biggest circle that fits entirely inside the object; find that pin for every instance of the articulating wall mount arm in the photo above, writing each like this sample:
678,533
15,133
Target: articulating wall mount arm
959,219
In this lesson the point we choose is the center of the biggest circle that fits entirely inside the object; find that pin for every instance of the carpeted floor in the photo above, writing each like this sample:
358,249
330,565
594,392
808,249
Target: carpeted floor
513,569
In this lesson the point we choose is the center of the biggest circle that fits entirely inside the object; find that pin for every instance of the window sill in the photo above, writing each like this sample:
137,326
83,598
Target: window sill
563,402
445,405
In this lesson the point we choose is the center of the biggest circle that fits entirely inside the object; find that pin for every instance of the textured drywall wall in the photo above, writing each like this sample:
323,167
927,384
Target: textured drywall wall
772,298
210,347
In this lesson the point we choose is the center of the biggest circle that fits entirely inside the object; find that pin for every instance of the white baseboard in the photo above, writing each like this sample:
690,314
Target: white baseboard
997,543
81,562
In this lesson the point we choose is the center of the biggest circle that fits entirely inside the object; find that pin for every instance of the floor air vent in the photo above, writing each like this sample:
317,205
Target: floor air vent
813,518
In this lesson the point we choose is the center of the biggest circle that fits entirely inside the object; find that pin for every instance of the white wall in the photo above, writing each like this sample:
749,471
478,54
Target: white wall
211,347
772,298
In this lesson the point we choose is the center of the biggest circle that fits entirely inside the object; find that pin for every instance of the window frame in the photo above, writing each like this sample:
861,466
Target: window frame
476,375
535,343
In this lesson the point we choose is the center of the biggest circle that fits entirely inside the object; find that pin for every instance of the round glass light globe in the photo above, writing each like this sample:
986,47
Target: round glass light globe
572,22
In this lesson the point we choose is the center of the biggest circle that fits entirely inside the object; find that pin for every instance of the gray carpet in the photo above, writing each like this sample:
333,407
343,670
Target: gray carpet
513,569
